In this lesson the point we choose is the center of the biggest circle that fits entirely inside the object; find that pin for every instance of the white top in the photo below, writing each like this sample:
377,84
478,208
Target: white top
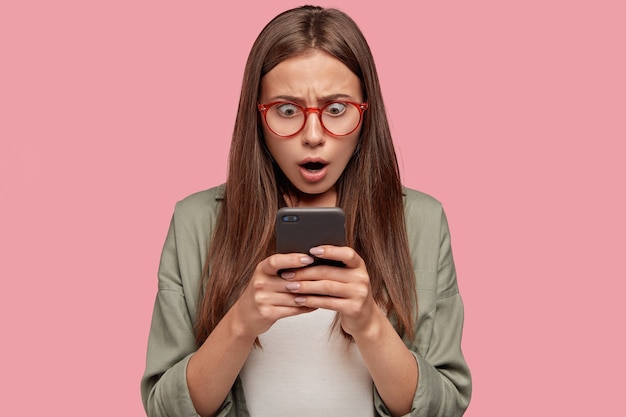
304,369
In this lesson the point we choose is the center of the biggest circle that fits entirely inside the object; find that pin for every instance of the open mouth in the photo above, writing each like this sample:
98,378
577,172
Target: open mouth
313,166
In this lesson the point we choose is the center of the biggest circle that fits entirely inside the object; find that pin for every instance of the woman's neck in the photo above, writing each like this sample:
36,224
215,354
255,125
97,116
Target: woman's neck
327,199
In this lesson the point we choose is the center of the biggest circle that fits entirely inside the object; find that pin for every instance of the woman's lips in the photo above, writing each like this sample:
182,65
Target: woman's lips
313,171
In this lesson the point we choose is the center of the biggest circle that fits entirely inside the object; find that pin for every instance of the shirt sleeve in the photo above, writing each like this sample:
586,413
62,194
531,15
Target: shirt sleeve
170,344
171,340
444,384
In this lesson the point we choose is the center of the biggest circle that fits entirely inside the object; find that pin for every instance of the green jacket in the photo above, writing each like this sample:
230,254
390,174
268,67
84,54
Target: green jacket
444,385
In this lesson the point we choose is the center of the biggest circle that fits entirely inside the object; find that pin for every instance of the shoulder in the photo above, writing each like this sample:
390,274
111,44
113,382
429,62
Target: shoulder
202,200
425,222
196,214
419,204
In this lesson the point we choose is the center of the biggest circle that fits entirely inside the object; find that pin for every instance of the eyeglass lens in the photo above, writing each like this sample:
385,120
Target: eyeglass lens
338,118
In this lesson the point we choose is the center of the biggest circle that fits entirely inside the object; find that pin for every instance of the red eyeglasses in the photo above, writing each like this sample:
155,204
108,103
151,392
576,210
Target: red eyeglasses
339,118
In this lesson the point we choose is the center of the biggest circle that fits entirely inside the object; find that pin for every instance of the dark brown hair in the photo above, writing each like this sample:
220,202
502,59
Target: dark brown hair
369,190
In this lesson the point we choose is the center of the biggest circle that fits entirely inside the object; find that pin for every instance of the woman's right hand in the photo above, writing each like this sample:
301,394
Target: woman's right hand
212,370
266,298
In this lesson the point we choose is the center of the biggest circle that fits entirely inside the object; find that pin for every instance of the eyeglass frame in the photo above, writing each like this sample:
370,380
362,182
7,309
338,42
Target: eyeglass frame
264,107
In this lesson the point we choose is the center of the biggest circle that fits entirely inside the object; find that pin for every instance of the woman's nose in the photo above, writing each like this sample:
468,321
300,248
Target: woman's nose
313,132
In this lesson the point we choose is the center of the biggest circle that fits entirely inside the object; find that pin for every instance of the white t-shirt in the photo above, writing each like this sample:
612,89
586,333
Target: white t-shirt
305,369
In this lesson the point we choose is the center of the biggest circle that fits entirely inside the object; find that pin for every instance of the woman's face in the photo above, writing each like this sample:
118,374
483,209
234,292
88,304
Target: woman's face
313,159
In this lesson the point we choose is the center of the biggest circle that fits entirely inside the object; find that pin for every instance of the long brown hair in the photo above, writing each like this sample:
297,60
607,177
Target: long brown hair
369,190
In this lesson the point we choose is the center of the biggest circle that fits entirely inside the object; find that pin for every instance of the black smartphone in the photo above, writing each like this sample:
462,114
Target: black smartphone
298,229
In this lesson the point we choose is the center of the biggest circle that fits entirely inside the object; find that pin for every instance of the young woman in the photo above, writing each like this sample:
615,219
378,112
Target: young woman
240,330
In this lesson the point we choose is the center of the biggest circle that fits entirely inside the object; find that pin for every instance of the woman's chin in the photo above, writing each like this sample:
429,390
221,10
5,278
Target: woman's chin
317,196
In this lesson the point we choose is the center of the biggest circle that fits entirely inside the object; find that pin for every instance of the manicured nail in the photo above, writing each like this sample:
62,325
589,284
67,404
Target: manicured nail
307,260
299,300
288,275
293,286
316,251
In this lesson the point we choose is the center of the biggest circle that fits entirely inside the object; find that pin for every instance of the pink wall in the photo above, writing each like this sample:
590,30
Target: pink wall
511,113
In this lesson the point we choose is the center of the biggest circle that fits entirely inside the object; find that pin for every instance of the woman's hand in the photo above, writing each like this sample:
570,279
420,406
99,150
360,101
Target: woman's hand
346,290
267,299
214,367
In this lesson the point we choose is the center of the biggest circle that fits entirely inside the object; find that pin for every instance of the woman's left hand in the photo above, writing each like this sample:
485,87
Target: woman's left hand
346,290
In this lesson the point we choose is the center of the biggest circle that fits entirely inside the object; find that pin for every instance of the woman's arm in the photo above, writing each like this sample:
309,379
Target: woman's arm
212,370
426,377
171,341
391,364
347,290
174,364
445,385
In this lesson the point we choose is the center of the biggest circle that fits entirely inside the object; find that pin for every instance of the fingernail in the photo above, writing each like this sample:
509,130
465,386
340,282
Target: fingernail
287,275
316,251
293,286
307,260
299,300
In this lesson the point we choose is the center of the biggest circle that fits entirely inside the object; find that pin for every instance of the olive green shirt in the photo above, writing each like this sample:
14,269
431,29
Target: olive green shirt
444,386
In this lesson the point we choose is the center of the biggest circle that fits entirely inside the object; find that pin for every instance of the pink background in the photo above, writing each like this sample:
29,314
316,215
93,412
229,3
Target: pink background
511,113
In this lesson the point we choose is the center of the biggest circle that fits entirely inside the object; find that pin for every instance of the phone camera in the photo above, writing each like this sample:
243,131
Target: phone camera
290,218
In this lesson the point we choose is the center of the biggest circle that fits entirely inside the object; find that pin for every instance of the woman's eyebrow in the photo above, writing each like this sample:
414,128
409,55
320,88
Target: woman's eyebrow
333,97
322,99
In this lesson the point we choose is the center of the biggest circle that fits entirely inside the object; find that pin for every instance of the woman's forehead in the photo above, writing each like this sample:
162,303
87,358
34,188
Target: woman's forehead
315,75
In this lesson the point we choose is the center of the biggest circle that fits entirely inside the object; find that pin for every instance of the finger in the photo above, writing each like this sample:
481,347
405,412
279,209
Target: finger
294,311
345,254
320,301
275,305
329,288
319,273
329,273
325,287
278,262
281,312
284,301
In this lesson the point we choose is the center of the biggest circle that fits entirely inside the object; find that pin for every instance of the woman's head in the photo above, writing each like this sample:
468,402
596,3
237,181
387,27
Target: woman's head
291,34
312,107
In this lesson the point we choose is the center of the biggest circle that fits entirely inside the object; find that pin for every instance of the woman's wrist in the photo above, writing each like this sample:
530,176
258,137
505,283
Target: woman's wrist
374,330
237,324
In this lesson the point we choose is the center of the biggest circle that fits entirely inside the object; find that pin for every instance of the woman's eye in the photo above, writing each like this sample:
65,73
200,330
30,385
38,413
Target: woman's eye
287,109
335,109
